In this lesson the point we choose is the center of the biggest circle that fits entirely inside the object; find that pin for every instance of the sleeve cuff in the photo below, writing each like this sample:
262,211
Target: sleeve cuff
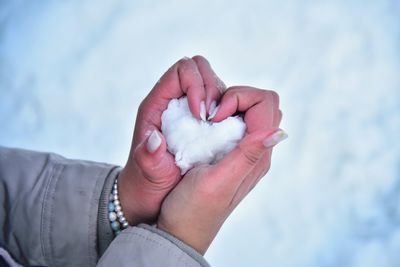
180,244
147,246
105,234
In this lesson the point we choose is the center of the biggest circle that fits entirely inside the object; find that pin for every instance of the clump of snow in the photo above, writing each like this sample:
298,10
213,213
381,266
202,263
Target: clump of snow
194,141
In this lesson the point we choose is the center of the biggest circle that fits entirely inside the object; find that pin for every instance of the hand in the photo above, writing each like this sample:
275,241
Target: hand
196,208
150,172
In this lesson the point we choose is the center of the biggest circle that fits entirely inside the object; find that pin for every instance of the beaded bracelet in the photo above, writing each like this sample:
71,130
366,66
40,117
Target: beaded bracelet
115,213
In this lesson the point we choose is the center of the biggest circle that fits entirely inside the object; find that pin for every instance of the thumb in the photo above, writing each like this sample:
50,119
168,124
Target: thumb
237,164
154,160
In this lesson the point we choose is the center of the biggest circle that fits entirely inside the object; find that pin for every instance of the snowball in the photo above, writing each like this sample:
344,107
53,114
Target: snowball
194,141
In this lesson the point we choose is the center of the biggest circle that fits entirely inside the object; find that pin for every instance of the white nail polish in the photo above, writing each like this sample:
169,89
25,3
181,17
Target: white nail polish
203,110
154,141
213,113
213,105
275,138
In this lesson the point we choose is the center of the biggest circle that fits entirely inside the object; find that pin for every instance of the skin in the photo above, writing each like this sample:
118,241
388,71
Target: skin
194,207
148,177
197,207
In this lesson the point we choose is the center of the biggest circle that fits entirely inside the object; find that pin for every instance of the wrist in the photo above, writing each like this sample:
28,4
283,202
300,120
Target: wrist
132,201
116,215
127,197
200,242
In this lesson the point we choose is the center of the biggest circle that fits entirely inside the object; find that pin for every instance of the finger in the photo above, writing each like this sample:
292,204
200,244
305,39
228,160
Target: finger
277,118
252,178
237,164
253,149
213,85
180,79
264,164
259,167
193,85
155,162
259,106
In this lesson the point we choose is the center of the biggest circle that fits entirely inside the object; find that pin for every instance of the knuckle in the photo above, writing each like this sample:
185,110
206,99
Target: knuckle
183,61
250,156
199,58
232,92
275,98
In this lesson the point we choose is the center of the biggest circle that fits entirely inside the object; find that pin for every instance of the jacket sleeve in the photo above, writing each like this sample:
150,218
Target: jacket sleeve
54,213
147,246
49,207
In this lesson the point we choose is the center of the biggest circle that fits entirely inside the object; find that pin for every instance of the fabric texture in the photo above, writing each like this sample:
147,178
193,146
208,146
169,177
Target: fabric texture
144,246
54,213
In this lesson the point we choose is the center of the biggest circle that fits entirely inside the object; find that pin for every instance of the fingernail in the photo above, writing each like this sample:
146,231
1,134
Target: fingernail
203,110
154,141
275,138
213,113
213,105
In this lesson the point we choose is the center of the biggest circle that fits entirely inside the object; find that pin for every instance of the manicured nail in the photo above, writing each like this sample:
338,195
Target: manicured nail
275,138
213,105
154,141
203,110
213,112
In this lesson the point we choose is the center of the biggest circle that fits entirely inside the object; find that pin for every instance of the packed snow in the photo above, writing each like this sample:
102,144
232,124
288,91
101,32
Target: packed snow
195,141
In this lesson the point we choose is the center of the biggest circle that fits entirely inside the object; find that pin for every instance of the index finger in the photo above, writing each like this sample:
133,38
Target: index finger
260,107
180,79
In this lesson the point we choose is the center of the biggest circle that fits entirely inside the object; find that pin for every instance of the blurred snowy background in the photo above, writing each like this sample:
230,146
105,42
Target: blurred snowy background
72,74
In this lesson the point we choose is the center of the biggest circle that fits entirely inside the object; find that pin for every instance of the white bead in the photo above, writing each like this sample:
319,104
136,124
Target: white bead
120,214
122,219
116,197
112,216
115,192
118,208
116,202
115,225
125,224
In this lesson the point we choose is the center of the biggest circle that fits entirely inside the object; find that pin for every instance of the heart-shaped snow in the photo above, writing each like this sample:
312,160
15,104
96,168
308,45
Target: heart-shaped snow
194,141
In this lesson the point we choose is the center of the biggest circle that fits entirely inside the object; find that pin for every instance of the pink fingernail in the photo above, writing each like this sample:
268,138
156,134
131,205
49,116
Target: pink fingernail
213,112
275,138
203,110
213,105
154,141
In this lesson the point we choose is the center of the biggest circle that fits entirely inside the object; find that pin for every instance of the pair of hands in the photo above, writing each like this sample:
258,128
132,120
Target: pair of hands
193,207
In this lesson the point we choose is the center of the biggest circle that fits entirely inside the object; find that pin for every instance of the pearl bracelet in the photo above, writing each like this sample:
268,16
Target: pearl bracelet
115,213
